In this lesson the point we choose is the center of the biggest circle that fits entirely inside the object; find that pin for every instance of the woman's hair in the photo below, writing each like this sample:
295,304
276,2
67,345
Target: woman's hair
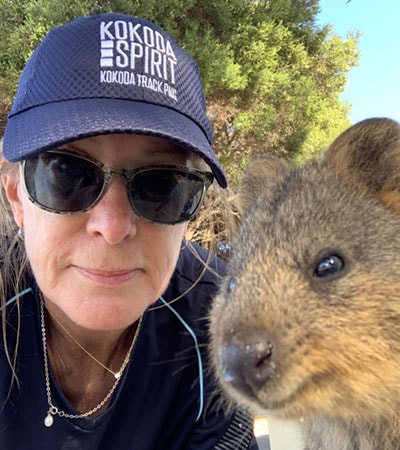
211,228
14,271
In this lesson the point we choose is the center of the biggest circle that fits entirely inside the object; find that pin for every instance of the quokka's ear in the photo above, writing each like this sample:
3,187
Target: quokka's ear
261,172
368,155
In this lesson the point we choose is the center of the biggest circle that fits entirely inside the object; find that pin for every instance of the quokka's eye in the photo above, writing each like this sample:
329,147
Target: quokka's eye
329,265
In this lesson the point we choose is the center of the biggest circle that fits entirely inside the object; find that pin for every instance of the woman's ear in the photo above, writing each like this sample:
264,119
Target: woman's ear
11,183
185,230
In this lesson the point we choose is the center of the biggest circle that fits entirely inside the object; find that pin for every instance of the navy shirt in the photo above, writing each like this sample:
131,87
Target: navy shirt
157,401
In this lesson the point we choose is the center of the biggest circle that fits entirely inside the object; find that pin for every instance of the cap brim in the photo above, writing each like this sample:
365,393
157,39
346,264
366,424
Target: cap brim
43,127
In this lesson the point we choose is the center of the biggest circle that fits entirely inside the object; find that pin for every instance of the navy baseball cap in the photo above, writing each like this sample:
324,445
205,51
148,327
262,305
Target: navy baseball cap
109,73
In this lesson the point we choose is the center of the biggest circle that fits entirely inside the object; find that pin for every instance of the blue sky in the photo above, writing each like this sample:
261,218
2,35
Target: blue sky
373,87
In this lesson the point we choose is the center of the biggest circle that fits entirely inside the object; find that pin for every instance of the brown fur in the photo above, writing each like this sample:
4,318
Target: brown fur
300,343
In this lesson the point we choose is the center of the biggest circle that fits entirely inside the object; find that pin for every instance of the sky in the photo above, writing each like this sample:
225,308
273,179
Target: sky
373,87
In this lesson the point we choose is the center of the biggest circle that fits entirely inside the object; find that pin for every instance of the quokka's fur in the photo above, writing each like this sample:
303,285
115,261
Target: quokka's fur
307,322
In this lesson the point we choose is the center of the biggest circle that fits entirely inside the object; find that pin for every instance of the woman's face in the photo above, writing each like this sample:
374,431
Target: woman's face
104,267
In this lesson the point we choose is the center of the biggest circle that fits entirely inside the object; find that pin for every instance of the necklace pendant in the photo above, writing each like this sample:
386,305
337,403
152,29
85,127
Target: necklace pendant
48,420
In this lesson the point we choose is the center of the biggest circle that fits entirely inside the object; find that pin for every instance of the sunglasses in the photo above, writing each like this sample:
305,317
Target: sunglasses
66,182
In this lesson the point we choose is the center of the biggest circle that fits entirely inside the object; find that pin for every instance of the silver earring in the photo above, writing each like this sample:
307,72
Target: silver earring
20,233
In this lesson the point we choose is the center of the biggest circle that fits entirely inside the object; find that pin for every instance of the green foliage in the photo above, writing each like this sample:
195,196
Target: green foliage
273,79
22,26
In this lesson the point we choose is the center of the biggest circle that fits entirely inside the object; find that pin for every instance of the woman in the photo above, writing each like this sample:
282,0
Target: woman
107,156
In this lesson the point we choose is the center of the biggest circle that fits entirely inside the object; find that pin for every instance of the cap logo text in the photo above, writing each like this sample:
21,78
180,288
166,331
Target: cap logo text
136,54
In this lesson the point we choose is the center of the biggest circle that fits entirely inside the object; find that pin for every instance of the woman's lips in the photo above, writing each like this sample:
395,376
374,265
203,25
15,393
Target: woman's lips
108,277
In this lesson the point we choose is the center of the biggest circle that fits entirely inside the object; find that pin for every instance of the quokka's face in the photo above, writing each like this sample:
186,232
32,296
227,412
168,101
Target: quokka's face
308,317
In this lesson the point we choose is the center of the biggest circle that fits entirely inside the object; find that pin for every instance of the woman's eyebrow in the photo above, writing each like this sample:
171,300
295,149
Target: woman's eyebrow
167,147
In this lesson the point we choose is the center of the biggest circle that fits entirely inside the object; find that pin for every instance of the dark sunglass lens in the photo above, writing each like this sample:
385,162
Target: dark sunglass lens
63,182
166,195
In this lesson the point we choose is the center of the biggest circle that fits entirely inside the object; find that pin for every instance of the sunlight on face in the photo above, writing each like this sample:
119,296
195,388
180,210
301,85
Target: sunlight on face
104,267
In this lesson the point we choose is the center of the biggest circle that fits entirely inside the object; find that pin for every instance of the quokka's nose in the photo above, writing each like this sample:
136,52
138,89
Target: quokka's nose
247,367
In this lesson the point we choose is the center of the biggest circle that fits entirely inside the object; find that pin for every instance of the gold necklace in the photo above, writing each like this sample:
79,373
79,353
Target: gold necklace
53,410
115,374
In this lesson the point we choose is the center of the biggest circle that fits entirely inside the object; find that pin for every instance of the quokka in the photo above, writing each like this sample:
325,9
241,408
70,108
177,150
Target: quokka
306,326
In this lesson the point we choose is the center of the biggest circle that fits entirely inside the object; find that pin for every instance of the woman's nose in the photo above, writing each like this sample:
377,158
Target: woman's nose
113,216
